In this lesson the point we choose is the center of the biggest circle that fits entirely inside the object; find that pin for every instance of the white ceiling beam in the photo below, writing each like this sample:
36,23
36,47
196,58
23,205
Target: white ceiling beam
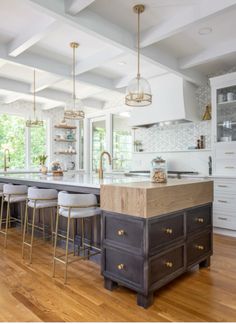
209,54
45,82
184,19
54,67
97,60
12,98
73,7
30,37
112,34
60,97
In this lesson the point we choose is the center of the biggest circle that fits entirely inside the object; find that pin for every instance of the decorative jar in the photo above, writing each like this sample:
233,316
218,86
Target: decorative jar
158,170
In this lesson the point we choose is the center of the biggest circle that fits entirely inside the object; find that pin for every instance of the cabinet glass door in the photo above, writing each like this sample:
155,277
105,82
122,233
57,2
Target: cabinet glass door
226,114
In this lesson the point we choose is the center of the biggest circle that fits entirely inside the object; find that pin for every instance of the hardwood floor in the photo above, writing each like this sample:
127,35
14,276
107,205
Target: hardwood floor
28,293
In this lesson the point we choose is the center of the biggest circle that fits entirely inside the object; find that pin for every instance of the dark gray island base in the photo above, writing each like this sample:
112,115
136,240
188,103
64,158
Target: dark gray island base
146,254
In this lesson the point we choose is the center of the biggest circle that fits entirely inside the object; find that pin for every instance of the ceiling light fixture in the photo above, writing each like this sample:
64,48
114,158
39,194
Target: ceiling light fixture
138,92
74,107
35,122
204,31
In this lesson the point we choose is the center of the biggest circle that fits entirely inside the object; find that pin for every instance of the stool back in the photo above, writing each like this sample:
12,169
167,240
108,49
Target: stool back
11,189
42,194
66,199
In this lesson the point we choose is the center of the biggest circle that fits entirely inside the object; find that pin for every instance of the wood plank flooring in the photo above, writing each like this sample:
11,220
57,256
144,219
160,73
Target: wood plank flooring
28,293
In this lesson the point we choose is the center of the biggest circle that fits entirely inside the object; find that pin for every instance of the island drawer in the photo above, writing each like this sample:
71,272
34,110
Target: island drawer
123,266
121,231
198,218
199,247
165,230
167,264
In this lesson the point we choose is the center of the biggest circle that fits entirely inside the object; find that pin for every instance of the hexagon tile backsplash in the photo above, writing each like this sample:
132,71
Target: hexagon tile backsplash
169,138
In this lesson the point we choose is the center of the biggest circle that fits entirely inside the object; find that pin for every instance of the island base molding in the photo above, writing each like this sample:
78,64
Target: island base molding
144,254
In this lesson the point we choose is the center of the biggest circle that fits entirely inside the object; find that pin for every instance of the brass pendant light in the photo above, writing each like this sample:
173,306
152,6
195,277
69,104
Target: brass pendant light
35,122
74,107
138,91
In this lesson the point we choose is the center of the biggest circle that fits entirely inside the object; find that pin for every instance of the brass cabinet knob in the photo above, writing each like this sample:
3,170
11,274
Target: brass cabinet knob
169,231
121,266
200,247
169,264
200,220
121,232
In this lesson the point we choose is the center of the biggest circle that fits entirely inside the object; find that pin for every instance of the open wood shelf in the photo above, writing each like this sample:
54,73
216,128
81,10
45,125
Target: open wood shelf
64,140
65,126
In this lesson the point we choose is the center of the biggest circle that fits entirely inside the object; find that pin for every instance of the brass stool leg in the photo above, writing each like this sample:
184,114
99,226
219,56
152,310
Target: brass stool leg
2,202
67,243
73,233
51,221
82,236
21,216
43,217
32,232
25,227
7,222
55,243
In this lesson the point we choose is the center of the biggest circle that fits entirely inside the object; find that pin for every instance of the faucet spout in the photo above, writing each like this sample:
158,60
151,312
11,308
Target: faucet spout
100,171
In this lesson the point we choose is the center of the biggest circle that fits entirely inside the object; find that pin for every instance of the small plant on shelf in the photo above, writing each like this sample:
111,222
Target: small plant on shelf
42,160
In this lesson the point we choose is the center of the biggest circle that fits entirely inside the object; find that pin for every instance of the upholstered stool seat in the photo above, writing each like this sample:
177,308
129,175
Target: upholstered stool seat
38,199
12,194
73,206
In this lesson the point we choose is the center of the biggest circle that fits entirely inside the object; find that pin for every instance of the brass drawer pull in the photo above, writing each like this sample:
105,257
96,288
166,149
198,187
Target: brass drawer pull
222,201
200,247
222,218
222,186
200,220
229,167
121,266
169,264
229,152
168,231
120,232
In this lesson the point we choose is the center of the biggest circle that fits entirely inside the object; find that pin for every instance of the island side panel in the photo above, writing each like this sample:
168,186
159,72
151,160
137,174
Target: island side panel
148,200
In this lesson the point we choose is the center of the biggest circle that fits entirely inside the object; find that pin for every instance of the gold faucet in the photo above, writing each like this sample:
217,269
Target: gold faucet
100,171
5,159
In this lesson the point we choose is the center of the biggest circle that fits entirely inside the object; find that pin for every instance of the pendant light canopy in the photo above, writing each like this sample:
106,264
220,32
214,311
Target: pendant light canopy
74,107
138,92
35,122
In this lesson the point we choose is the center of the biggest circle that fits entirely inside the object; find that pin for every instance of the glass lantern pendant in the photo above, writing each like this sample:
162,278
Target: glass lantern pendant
138,92
74,107
35,122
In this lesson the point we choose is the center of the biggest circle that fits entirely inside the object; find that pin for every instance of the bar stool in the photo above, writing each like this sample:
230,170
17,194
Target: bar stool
38,199
73,206
12,194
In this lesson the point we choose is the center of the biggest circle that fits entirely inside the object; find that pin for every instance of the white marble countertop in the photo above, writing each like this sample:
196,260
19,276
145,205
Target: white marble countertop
72,179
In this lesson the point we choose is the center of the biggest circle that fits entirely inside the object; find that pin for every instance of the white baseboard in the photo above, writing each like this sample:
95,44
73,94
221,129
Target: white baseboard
223,231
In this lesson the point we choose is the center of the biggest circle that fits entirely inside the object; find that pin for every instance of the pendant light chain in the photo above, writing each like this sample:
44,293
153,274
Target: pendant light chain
34,100
138,74
138,91
74,75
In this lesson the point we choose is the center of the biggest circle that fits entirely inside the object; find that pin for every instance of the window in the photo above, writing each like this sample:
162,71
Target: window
122,143
13,134
98,141
37,144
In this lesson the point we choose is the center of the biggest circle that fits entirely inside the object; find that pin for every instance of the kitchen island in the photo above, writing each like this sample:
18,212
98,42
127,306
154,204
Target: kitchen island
151,233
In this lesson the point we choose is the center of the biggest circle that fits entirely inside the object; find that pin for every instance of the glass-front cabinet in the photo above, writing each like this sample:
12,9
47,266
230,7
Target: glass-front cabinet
223,95
226,114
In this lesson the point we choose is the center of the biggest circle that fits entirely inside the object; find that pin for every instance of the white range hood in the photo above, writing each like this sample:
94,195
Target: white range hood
174,101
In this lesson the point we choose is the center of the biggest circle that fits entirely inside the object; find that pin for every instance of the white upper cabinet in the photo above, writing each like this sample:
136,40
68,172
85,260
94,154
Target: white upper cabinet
173,99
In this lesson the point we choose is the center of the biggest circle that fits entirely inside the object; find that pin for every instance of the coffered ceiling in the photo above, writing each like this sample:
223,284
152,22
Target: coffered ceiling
191,38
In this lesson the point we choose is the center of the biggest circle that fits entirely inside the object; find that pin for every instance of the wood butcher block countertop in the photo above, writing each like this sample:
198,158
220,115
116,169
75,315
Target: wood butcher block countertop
146,199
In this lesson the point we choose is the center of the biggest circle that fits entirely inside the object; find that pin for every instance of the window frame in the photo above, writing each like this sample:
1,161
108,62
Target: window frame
28,141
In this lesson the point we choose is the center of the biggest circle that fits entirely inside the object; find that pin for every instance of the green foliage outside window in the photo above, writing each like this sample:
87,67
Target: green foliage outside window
12,136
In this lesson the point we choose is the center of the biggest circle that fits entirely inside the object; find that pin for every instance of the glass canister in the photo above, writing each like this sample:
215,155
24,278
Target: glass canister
158,170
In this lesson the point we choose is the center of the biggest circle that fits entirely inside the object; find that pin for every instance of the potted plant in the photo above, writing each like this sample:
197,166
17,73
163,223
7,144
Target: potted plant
42,159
